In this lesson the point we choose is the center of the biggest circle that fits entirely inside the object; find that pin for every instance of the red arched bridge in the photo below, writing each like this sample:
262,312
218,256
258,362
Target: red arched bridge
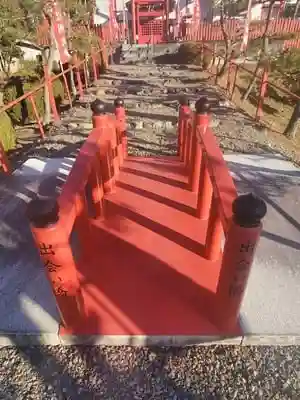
148,246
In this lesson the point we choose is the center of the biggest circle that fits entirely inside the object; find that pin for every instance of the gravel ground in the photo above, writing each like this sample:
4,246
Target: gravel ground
138,373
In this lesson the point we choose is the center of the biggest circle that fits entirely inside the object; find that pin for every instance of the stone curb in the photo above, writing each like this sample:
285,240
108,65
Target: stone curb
53,339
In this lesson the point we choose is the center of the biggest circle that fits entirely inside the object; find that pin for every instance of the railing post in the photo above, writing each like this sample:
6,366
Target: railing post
106,157
3,160
238,254
200,124
85,73
230,71
56,254
98,110
78,77
37,117
263,89
205,186
121,129
236,70
214,232
184,111
94,63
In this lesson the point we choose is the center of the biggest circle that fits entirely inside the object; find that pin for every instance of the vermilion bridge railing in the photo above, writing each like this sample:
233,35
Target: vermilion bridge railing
96,169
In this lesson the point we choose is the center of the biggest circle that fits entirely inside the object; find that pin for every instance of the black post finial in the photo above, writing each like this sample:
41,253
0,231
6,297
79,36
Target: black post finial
98,107
119,102
202,105
248,210
43,212
183,100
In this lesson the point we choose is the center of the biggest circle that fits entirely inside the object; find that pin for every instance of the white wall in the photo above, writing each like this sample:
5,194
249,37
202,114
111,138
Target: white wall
256,12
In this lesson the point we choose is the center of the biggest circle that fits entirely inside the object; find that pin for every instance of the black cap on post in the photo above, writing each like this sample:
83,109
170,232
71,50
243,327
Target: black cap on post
98,107
119,102
183,100
248,210
43,212
202,106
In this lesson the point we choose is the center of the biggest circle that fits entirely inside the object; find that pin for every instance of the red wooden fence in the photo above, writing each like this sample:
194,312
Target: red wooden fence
80,68
212,31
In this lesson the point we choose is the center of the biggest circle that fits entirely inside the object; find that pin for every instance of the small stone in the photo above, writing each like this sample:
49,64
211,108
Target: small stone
72,125
86,125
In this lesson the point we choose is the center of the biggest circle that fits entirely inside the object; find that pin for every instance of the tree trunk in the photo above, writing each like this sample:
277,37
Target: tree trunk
227,42
245,39
296,8
294,122
48,58
264,51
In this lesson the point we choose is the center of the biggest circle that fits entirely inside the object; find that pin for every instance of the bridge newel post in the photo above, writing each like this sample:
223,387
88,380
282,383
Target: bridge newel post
101,122
183,114
120,114
52,240
238,254
205,189
76,63
98,110
200,123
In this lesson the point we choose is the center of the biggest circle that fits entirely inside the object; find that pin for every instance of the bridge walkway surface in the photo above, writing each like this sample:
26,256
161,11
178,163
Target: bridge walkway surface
147,281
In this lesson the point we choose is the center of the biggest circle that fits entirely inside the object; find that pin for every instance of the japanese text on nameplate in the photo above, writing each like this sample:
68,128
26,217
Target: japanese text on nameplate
46,249
247,247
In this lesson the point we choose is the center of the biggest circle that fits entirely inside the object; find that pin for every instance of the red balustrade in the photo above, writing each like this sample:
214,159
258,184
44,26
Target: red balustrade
237,218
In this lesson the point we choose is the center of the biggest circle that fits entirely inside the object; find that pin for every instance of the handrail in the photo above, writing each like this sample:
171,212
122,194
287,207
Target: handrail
52,221
42,84
270,83
229,84
208,171
223,186
48,80
242,67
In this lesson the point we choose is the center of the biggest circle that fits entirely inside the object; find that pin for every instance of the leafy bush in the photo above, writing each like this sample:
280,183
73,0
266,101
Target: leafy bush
21,83
7,132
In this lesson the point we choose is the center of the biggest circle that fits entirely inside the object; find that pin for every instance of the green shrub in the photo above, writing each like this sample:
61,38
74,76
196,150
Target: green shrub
21,83
7,132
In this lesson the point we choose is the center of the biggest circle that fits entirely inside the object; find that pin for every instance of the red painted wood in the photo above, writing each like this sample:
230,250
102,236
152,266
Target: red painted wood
147,276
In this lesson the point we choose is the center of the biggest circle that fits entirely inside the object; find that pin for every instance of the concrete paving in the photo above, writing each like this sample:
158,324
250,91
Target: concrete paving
271,308
272,301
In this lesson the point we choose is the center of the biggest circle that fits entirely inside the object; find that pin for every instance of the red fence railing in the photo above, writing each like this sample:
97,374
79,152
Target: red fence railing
268,102
212,31
80,68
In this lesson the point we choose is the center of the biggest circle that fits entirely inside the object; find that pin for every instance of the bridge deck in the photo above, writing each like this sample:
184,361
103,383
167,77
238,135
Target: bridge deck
148,276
